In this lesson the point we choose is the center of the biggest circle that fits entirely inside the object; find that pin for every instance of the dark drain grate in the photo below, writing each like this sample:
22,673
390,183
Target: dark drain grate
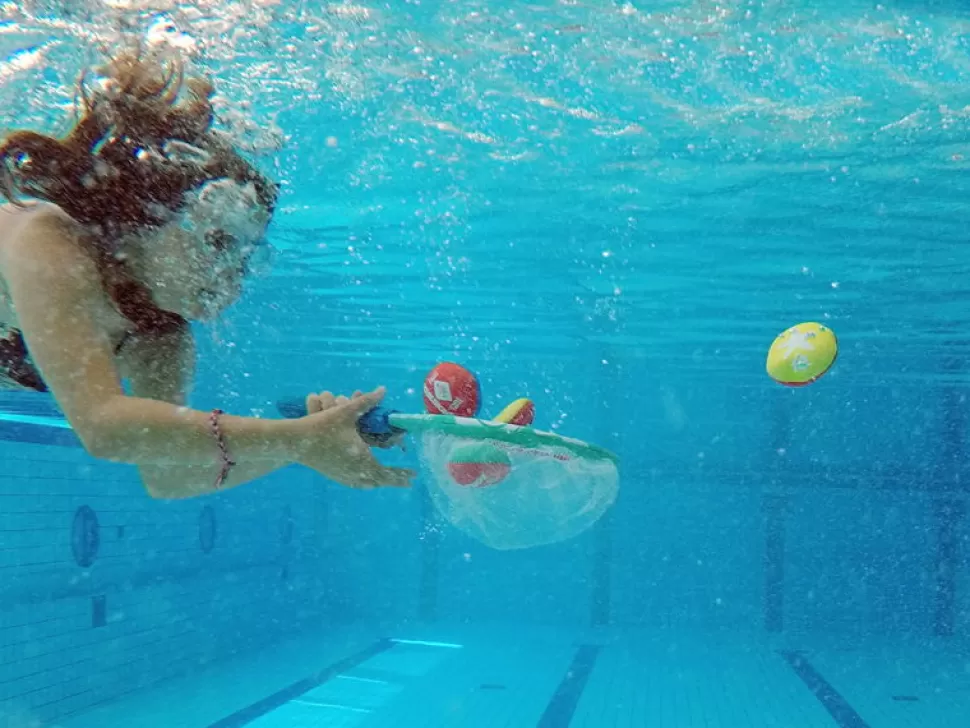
905,698
492,686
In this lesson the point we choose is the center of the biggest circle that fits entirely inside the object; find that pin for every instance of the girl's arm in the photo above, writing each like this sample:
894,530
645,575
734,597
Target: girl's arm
162,368
60,302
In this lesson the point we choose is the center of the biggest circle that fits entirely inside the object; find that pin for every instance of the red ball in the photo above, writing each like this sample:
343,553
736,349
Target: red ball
450,389
478,474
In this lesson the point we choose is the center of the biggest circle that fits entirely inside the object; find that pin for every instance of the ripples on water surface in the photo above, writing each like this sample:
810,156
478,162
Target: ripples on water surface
661,179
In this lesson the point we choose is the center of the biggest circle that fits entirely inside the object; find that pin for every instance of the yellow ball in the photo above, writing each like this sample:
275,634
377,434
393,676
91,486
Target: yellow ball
802,354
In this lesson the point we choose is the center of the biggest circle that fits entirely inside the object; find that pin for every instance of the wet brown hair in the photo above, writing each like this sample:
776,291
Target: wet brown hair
138,146
120,167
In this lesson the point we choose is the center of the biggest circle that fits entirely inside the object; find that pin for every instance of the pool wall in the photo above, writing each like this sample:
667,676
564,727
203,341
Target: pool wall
840,510
743,505
783,562
104,590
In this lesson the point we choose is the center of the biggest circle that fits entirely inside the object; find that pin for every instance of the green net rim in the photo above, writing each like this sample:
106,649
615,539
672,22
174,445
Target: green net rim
512,434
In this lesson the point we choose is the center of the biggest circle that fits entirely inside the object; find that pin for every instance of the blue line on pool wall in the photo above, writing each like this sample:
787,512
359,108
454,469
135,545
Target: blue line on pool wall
773,509
208,529
838,707
35,418
953,426
430,551
256,710
37,433
560,710
601,596
948,514
40,404
948,511
85,536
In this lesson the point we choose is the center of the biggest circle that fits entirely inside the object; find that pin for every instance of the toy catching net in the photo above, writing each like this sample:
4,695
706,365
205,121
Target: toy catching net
513,487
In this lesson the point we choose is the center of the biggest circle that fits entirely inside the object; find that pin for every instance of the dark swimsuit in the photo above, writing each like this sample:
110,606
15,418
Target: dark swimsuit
17,366
133,302
15,363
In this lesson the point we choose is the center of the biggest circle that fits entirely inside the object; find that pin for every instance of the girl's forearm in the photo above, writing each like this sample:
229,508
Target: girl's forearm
149,432
175,482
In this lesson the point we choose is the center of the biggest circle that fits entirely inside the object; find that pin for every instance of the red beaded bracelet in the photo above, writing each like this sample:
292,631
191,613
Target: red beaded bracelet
227,462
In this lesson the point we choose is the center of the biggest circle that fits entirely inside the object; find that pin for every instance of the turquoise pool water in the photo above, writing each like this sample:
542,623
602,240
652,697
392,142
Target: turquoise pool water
611,208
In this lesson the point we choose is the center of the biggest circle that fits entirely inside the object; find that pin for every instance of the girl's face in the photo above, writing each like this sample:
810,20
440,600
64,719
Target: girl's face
194,266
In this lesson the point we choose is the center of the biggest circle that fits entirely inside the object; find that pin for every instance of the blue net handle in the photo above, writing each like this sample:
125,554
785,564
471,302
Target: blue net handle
374,425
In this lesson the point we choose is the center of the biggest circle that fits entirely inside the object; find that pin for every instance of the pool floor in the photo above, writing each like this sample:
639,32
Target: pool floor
438,677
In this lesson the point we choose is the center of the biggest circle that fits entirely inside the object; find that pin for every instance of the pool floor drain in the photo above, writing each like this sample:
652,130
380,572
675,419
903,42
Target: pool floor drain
905,698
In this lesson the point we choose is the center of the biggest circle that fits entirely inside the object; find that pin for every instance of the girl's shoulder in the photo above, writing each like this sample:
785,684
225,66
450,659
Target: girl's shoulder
20,221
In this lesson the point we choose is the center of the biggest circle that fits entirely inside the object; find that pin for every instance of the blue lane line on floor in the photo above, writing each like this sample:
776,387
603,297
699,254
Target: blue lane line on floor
561,708
837,706
272,702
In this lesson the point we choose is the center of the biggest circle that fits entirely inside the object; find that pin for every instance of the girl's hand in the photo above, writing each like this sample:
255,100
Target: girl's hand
326,400
334,448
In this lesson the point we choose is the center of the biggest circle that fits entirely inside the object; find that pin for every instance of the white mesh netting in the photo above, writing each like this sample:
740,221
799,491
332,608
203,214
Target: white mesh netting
549,494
